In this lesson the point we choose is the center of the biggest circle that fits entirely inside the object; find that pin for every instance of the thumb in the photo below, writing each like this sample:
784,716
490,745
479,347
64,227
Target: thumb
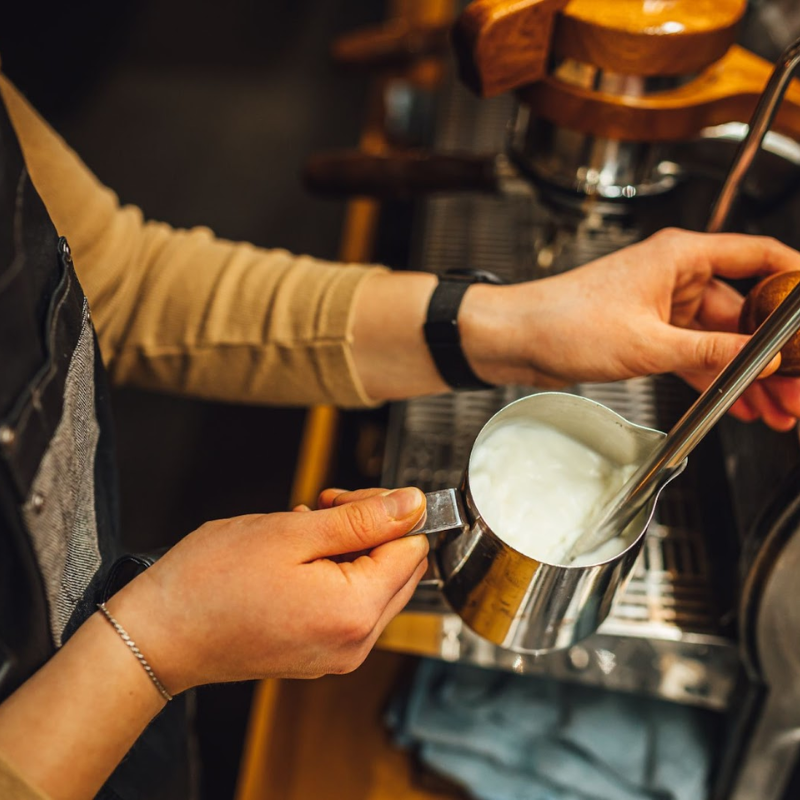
362,524
707,352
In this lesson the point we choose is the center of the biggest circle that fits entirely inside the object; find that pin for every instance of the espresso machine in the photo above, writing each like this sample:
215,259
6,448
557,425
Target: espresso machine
565,130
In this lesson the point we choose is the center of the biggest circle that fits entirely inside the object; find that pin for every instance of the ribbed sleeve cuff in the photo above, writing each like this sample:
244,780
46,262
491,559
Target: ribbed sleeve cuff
333,356
14,787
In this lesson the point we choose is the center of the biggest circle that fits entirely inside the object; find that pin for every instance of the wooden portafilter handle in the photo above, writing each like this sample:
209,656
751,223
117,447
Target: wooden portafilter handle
395,44
503,44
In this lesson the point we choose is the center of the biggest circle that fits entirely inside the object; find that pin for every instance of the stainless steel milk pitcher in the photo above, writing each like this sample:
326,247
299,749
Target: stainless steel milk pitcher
515,601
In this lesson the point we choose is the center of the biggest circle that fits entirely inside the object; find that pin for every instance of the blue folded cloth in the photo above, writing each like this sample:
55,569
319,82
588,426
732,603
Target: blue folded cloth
512,737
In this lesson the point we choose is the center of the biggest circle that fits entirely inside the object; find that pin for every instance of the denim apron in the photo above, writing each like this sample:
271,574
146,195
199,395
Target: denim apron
59,531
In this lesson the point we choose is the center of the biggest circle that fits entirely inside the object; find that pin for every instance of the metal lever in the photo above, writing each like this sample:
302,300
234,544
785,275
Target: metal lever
760,124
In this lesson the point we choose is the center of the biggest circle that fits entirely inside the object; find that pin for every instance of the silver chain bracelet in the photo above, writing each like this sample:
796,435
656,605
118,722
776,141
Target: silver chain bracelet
135,650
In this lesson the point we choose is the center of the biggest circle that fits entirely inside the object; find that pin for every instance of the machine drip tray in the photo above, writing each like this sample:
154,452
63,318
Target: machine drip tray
664,637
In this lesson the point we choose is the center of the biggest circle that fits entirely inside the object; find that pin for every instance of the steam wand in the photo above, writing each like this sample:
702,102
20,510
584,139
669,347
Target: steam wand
760,124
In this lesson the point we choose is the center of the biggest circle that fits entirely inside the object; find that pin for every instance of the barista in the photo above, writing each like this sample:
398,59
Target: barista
184,312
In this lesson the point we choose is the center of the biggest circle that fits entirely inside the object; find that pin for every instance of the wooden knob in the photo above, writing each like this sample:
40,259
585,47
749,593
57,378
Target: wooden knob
760,302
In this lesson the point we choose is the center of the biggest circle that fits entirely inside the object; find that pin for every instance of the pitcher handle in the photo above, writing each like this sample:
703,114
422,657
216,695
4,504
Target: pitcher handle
444,512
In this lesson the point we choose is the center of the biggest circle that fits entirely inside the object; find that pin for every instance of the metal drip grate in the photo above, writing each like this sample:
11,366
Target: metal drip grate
664,635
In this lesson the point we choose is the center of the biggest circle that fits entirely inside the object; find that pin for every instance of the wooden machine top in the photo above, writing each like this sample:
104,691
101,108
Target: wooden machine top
504,44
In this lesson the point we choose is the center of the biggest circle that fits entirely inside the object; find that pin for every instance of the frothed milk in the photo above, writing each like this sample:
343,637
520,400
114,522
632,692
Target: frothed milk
537,489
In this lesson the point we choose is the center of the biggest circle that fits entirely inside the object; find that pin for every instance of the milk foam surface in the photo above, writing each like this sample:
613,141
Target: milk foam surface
537,489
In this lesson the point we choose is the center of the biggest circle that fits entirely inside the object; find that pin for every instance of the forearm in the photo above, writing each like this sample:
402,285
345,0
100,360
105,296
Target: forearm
70,724
389,349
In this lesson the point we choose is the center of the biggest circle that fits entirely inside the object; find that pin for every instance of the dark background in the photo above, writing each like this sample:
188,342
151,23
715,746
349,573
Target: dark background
202,114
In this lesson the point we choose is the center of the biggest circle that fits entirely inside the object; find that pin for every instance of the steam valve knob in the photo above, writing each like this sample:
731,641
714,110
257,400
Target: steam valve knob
760,302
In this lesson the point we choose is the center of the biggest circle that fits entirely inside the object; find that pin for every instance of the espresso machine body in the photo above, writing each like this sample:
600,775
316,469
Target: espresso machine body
710,617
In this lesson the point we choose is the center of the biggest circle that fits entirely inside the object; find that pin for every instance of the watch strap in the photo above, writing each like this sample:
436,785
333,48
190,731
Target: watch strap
442,334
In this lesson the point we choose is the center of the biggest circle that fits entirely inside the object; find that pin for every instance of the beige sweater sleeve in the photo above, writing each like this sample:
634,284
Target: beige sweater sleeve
183,311
14,787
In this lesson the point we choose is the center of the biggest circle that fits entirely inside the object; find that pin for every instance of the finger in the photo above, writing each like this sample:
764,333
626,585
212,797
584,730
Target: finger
360,647
743,410
327,496
770,408
767,409
704,353
360,525
753,405
699,352
380,575
770,411
785,392
735,255
301,507
349,497
337,497
780,422
721,308
771,368
398,602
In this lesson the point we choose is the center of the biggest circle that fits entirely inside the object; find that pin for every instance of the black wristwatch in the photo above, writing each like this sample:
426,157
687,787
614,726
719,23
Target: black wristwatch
441,327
